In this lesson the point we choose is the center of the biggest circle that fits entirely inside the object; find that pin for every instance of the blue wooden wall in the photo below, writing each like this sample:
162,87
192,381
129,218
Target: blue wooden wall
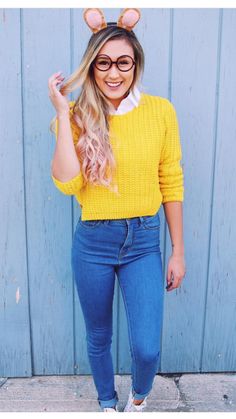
191,59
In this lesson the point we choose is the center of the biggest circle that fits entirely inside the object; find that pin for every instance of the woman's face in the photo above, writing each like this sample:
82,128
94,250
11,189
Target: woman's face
114,49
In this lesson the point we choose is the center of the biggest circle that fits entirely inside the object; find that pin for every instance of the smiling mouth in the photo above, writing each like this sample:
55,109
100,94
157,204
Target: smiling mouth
113,84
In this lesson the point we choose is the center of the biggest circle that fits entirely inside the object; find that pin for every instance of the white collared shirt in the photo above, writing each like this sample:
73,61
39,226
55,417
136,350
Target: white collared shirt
128,103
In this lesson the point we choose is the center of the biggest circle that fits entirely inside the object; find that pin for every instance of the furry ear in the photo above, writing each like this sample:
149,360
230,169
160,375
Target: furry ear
128,18
95,19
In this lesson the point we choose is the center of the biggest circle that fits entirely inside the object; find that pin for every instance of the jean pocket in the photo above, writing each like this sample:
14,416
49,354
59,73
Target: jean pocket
89,223
151,222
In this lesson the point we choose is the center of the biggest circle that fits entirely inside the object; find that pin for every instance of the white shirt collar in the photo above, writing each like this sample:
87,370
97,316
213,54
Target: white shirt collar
128,103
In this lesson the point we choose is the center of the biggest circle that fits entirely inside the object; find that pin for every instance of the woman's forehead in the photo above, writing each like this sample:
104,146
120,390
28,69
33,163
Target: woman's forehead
115,48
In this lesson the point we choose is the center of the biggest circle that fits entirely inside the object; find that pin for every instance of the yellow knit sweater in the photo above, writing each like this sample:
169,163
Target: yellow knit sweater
147,151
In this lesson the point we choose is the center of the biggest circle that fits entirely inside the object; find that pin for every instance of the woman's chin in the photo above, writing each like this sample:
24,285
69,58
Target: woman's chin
115,95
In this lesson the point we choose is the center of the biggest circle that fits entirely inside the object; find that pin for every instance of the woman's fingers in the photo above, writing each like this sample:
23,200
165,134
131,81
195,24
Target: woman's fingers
52,79
59,101
174,283
55,79
52,85
171,285
169,281
53,91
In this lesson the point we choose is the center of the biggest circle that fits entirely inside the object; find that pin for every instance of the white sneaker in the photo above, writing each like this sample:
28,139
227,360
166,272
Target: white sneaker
131,407
110,409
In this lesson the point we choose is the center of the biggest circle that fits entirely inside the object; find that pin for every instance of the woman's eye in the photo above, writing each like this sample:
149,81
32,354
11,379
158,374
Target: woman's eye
103,62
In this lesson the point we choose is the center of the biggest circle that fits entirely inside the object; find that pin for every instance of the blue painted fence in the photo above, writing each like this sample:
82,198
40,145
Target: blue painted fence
191,59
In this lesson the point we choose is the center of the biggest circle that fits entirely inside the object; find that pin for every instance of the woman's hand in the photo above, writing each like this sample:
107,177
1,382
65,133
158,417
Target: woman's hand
175,271
60,102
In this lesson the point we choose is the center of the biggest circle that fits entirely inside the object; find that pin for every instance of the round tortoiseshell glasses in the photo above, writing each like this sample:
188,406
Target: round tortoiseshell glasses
103,62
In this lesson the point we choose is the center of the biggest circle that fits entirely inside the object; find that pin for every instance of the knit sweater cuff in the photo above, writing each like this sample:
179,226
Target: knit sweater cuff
71,187
177,196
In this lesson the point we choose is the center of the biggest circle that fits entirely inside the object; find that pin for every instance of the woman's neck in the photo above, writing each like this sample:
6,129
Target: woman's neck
116,102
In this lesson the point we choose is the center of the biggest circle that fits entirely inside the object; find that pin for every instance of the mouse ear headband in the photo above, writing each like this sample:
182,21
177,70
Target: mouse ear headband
96,21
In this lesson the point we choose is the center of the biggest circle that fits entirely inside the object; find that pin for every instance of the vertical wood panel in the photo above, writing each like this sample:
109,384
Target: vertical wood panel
15,355
220,331
193,83
46,48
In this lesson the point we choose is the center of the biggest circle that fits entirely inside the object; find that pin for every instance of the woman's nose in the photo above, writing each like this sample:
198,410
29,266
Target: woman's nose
114,70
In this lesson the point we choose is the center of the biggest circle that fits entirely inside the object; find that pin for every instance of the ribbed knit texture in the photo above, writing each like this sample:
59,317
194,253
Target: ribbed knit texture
147,151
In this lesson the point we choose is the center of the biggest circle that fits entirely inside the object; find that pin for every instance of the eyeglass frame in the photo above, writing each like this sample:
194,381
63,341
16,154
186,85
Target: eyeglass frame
114,62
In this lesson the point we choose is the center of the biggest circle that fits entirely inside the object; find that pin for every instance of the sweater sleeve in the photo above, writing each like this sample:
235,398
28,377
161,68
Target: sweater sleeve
170,170
72,186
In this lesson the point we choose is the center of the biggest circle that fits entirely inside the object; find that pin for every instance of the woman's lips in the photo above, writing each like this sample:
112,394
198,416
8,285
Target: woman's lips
115,87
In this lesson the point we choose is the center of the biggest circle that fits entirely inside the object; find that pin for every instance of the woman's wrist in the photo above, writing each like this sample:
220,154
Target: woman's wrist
63,114
177,250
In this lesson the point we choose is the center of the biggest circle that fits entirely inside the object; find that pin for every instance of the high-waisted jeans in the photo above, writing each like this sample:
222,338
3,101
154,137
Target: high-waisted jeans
129,248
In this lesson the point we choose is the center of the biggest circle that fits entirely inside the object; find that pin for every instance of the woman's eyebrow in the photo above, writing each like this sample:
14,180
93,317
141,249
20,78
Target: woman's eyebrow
106,55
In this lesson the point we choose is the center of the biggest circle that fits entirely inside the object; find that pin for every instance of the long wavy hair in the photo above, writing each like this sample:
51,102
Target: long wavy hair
91,108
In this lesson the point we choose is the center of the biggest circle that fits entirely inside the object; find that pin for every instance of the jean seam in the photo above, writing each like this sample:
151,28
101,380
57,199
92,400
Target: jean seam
147,227
151,228
89,226
130,332
131,244
114,399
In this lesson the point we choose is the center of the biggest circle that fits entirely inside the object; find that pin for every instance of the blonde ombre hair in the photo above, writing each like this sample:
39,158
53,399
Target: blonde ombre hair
91,109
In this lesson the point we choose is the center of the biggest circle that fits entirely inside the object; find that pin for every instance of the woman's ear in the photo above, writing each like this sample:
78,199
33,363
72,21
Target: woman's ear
128,18
95,19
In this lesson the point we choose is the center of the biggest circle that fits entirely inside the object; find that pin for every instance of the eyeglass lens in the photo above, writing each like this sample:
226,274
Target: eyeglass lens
123,63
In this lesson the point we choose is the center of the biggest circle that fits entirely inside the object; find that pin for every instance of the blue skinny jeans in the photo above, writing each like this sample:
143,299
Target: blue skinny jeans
129,248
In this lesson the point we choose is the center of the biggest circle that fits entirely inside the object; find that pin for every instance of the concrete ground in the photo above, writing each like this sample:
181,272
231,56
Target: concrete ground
215,392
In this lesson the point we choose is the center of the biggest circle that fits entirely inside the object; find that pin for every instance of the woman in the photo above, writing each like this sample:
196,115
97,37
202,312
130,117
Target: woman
118,151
